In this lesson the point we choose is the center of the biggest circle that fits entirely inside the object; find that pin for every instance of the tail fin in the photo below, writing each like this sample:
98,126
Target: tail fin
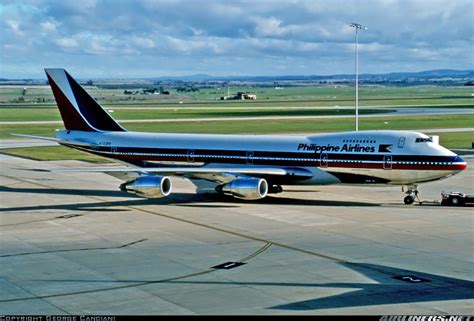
78,109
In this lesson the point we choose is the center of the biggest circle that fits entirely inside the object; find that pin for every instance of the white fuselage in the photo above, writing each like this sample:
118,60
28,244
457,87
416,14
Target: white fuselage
364,157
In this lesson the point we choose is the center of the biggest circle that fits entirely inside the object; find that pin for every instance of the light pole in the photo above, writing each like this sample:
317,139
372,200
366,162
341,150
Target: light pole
357,27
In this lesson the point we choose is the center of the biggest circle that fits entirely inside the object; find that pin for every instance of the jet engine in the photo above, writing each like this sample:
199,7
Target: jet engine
149,186
245,188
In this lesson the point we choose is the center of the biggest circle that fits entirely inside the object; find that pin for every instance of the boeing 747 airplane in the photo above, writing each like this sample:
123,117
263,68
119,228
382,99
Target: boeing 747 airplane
245,166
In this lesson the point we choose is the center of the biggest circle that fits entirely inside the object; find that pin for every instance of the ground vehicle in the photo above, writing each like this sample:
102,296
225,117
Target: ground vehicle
456,199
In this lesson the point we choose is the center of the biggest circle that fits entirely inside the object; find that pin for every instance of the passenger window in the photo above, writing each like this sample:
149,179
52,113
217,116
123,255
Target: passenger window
401,142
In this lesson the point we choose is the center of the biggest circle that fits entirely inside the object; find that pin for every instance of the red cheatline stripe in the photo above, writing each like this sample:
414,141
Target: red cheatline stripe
425,167
380,165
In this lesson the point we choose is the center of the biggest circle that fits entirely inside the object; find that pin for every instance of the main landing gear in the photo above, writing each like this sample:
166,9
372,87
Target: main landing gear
275,189
412,193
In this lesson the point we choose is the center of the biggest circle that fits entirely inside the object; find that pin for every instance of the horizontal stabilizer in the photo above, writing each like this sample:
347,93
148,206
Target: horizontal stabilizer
37,137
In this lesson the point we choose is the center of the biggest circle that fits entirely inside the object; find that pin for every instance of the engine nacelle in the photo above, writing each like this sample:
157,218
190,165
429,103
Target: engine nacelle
149,186
245,188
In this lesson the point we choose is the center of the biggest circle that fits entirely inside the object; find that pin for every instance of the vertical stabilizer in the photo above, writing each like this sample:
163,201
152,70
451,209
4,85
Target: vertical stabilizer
78,109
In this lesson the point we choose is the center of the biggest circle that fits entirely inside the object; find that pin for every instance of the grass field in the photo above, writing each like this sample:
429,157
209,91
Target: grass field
51,114
455,139
50,153
131,113
317,95
401,102
308,126
272,126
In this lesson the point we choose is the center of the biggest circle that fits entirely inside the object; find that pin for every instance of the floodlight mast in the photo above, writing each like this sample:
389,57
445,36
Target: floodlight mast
357,26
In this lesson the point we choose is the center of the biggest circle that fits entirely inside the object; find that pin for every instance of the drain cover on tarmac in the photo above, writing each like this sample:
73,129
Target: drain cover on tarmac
228,265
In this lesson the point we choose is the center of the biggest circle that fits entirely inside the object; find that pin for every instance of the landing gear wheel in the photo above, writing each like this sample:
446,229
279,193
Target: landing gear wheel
409,199
455,201
412,194
275,189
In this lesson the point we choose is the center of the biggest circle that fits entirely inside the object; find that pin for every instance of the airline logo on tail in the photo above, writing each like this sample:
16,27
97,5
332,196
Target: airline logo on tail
78,109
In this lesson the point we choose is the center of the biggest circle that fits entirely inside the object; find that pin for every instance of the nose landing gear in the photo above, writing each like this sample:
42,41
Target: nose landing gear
412,193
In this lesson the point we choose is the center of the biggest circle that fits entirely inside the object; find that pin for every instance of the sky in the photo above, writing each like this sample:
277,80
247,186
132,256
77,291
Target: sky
154,38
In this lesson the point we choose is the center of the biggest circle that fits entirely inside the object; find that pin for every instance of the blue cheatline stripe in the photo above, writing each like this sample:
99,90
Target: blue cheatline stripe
264,157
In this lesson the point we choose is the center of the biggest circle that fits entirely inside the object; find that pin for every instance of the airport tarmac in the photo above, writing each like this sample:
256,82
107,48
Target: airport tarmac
72,243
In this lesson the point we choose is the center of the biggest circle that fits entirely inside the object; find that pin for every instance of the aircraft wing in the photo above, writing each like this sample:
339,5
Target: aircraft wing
218,174
211,172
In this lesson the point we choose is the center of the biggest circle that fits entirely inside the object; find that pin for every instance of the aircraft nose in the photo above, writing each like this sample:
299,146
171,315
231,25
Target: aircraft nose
460,163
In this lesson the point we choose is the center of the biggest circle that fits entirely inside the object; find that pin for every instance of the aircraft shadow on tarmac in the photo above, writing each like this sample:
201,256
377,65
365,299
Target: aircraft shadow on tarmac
389,289
175,199
63,191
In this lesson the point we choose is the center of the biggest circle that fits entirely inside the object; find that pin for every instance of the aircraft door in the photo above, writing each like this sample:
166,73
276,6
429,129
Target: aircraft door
324,159
190,157
401,142
387,162
249,158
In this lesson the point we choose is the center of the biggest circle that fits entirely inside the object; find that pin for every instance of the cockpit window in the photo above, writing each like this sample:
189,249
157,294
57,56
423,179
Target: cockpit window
423,140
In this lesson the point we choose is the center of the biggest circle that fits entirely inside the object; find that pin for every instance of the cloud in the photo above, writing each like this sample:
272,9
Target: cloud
269,27
48,26
106,37
67,43
143,42
14,26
